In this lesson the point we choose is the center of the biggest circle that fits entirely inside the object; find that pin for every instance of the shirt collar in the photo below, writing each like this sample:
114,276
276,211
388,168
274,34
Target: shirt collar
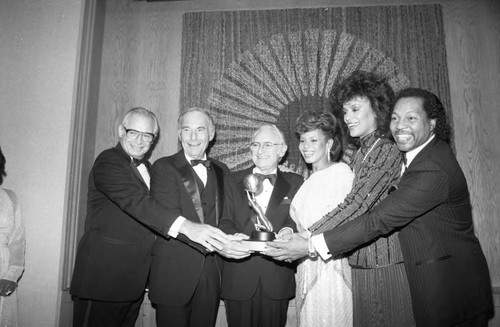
410,155
188,158
258,171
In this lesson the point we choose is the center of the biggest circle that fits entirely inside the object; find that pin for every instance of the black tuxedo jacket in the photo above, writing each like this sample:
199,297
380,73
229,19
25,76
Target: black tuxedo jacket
446,268
114,254
176,265
240,278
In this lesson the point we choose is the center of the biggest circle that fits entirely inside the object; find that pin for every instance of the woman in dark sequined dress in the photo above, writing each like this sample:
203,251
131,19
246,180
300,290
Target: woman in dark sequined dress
381,295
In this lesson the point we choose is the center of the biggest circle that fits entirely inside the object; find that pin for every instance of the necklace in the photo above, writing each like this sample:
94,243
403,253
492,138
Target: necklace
356,164
370,150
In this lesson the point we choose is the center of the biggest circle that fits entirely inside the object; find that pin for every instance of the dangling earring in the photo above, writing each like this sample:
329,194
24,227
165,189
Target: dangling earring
328,151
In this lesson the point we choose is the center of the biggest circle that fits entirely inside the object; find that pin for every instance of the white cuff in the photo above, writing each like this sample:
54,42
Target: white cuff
320,246
176,226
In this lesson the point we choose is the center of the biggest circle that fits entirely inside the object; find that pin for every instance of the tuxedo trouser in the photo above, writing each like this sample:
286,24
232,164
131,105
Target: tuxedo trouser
94,313
201,310
259,311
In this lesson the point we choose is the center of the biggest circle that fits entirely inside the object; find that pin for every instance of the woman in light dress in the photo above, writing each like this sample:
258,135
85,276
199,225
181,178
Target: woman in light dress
323,295
12,245
381,296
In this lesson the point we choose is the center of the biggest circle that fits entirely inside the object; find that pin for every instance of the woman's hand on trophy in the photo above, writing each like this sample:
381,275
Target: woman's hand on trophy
284,234
293,248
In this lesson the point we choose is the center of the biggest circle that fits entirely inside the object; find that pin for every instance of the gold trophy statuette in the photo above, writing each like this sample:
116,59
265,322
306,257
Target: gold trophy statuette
263,227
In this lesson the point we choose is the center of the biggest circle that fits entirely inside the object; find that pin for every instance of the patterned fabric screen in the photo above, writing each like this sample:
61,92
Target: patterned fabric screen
257,67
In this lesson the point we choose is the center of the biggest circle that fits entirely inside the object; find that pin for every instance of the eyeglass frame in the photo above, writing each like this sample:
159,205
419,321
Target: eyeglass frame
142,134
265,145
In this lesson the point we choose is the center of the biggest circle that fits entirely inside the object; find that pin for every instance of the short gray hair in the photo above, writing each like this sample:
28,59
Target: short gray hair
144,113
276,129
196,109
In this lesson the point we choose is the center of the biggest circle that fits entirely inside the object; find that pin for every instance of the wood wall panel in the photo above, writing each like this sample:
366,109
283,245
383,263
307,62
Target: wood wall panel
472,38
137,71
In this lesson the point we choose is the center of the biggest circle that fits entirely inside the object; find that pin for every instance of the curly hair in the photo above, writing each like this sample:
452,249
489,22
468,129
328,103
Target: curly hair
372,86
2,166
432,107
326,122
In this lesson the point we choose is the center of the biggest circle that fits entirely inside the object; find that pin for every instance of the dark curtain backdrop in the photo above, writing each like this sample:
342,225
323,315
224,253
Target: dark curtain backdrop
267,66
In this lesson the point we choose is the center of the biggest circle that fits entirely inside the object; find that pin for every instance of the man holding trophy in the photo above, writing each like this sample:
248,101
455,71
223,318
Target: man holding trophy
257,289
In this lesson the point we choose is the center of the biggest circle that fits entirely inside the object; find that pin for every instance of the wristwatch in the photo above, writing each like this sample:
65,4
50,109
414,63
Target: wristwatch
312,251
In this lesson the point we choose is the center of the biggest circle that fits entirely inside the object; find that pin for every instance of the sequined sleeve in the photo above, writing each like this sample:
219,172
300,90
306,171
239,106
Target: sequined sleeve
376,174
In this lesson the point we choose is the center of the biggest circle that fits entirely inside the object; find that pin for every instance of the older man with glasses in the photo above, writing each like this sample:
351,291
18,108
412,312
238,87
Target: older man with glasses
257,289
123,221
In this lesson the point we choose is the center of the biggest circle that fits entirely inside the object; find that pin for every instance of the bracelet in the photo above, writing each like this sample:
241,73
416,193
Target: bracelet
312,251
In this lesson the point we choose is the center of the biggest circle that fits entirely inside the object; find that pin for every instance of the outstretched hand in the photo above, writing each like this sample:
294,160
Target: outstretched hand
289,248
208,236
233,249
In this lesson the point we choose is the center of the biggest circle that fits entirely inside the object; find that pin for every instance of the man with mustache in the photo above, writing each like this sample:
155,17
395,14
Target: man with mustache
446,268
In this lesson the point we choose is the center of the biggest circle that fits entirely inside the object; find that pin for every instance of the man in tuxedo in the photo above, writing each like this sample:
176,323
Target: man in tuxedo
184,281
123,221
257,289
445,265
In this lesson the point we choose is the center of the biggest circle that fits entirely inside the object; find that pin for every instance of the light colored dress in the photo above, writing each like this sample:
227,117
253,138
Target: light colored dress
12,245
323,295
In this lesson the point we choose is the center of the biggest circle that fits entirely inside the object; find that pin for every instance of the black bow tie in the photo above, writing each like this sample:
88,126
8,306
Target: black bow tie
138,162
205,163
271,177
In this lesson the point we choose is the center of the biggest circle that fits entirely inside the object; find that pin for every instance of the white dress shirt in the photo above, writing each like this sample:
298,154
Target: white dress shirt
143,170
263,197
200,170
202,173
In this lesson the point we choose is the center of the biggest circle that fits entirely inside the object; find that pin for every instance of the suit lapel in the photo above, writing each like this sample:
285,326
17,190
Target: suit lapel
281,188
219,189
421,155
137,173
240,185
132,165
190,184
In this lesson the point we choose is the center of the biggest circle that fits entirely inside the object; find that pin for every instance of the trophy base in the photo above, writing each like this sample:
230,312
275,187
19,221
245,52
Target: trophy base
257,241
262,236
257,246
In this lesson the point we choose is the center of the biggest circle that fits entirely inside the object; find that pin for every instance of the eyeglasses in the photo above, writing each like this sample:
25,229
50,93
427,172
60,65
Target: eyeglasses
132,134
254,146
